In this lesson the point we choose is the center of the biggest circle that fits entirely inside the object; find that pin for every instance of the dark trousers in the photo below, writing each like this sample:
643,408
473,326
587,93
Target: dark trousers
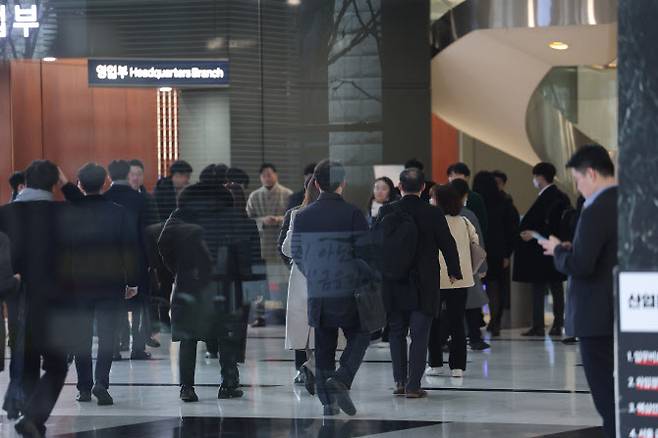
599,363
409,366
140,328
47,388
326,342
300,358
105,312
455,301
538,293
227,361
473,320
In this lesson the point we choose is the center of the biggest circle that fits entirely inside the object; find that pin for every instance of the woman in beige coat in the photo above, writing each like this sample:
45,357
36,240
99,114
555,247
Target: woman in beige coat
453,294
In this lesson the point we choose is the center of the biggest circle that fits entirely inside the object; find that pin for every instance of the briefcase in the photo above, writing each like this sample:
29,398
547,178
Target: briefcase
370,305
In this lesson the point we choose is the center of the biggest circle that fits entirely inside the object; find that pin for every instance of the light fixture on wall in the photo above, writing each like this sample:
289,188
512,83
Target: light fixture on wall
165,89
294,2
49,59
558,45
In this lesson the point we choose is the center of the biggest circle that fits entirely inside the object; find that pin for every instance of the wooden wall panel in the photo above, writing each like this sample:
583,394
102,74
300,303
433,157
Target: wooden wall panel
67,121
445,148
26,112
141,126
6,155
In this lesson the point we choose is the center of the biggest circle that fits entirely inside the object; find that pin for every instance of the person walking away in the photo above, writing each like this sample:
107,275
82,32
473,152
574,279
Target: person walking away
589,261
324,246
453,293
412,277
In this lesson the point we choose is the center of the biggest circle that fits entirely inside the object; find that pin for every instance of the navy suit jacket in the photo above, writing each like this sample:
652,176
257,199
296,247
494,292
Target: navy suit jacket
589,265
325,247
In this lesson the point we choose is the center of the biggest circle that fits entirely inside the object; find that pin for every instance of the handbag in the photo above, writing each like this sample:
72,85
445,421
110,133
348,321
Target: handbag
369,299
478,254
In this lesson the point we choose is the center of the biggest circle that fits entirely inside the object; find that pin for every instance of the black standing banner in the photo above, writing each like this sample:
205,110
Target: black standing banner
637,355
157,73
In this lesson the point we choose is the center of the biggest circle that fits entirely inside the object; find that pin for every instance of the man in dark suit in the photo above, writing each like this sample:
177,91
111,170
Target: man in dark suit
414,302
45,309
589,262
168,189
324,248
104,262
475,202
531,266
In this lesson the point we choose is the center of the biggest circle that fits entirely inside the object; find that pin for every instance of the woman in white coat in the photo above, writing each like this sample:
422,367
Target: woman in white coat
299,336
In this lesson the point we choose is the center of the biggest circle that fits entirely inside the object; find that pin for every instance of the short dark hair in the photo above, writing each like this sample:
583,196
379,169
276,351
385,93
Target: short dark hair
500,174
412,180
592,156
41,174
137,163
547,170
119,170
267,166
329,175
209,175
309,169
238,176
461,187
447,199
414,164
16,179
92,177
459,168
180,166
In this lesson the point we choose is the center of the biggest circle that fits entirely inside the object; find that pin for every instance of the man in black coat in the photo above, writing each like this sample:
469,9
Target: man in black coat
589,262
531,266
325,250
414,302
168,189
45,309
104,250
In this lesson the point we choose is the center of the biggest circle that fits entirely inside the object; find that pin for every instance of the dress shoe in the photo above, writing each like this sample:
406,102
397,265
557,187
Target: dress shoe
12,407
479,346
140,355
331,411
419,393
188,395
104,398
555,331
29,429
341,395
258,322
299,378
226,392
309,379
534,332
210,355
153,343
457,373
399,390
83,396
570,341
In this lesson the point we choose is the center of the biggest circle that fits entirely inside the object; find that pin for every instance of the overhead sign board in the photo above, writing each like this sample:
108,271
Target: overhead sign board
157,73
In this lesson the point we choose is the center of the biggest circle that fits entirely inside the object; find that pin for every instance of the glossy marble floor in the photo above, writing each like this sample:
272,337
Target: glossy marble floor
519,388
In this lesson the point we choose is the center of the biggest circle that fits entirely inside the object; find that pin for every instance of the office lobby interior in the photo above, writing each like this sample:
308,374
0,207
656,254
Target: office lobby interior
499,85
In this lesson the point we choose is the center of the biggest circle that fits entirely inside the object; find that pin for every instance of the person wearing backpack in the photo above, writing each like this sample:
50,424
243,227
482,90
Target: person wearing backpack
412,234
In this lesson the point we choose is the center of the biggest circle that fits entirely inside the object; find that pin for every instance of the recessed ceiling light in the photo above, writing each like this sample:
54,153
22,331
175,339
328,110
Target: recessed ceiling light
165,89
558,45
49,59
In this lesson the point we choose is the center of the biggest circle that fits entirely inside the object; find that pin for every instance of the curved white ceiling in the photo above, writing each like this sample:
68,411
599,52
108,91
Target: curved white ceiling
482,83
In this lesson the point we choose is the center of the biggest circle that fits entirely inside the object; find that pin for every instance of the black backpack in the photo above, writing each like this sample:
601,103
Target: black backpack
398,234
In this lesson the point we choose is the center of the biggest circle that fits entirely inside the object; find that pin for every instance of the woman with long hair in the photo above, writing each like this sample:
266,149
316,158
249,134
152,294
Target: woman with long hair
299,335
500,238
453,294
383,192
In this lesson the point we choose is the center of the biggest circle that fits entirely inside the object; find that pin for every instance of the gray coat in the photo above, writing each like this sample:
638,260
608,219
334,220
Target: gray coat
476,297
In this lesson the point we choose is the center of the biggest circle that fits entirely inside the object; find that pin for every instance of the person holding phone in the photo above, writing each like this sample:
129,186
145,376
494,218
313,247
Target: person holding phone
531,266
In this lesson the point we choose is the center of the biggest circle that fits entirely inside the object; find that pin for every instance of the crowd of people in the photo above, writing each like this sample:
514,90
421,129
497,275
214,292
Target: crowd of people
201,259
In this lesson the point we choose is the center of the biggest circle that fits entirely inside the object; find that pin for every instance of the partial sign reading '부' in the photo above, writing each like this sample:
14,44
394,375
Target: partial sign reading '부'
158,73
19,19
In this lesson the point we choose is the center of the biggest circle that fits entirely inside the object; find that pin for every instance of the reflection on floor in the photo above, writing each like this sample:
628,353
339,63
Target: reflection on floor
519,388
